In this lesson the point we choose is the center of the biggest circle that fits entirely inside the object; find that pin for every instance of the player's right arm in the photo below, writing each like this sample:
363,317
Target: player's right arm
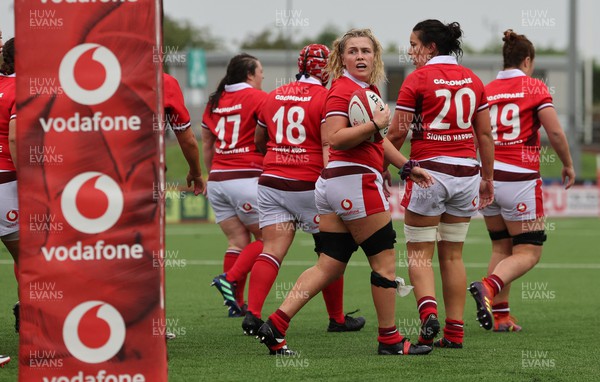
208,148
189,147
558,140
399,128
342,138
485,143
261,137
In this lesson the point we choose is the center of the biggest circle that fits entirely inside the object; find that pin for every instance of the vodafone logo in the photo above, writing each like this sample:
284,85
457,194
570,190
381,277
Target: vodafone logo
521,207
316,219
94,331
89,74
346,204
92,202
12,216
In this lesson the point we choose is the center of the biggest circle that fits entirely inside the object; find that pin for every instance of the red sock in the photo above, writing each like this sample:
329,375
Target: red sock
454,331
242,267
389,336
426,305
494,284
245,261
501,310
281,321
263,275
231,256
333,295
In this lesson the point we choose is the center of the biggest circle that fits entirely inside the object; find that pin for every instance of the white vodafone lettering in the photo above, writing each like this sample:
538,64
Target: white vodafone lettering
96,122
98,251
101,376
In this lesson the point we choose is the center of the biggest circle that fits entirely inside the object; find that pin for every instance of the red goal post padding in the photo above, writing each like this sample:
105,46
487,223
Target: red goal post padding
89,157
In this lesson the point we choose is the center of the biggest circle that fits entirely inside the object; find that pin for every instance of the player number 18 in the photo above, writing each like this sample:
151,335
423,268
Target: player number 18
295,117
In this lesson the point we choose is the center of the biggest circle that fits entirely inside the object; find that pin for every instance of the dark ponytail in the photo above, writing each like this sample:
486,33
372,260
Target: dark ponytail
447,38
8,55
238,70
516,48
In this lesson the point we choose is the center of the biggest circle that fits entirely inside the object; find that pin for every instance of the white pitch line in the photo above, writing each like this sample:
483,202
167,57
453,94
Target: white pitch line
297,263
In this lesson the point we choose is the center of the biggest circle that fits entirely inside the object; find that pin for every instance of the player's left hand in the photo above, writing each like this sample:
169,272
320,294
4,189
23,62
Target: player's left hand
387,183
421,177
199,185
486,193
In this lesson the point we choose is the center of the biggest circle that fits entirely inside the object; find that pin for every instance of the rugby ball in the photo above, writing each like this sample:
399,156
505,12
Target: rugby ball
362,105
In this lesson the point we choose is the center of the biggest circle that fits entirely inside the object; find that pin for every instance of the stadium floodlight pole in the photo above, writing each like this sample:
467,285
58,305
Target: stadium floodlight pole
573,68
288,42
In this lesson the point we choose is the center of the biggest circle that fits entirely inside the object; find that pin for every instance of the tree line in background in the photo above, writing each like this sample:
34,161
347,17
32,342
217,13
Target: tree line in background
184,34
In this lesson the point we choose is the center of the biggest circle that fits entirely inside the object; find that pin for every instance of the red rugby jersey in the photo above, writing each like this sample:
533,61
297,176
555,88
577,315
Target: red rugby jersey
176,114
292,115
233,121
444,98
8,111
338,99
515,100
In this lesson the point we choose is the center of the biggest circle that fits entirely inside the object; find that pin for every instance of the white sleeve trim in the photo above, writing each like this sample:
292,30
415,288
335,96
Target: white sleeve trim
332,113
183,127
405,108
545,105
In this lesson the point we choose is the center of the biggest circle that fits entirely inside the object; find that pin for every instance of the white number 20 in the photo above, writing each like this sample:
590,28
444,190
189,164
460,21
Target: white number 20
461,121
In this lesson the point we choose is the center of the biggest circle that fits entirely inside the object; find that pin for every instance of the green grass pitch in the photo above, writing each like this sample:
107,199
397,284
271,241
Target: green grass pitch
556,303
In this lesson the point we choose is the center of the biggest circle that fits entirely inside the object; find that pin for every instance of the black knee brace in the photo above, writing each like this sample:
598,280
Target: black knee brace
339,246
532,237
380,281
499,235
380,240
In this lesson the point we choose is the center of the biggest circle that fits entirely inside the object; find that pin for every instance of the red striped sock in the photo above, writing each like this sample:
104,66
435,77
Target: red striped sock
242,267
426,305
454,331
281,321
501,310
263,275
389,336
494,284
231,256
333,295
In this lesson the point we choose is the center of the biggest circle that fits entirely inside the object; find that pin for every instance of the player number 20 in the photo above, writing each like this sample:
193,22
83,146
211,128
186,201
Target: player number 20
461,121
295,132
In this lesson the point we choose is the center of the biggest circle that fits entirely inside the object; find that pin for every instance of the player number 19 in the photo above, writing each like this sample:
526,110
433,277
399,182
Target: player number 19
509,117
